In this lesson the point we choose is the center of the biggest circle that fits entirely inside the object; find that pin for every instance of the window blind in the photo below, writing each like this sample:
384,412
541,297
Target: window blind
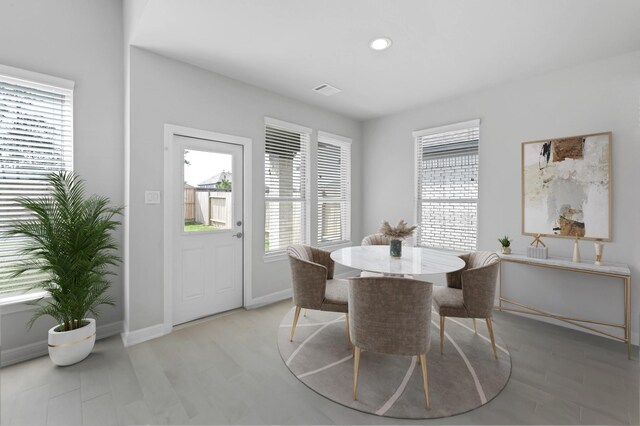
334,188
36,138
447,187
286,185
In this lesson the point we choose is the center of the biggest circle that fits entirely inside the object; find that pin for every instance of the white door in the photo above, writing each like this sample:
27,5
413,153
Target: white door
207,228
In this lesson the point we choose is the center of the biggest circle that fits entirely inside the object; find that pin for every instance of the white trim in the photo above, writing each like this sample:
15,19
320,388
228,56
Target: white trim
447,128
275,256
45,81
335,245
170,131
286,125
39,348
138,336
20,302
326,137
269,299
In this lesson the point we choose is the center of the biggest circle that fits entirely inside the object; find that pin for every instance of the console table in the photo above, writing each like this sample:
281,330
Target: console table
606,269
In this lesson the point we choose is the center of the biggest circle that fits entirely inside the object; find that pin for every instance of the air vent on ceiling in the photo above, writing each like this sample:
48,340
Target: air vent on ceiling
326,89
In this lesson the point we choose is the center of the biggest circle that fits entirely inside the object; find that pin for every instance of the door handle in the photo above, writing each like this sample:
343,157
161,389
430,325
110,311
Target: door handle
238,235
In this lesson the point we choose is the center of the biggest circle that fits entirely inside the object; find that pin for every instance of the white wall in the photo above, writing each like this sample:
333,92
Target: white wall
79,41
164,91
598,97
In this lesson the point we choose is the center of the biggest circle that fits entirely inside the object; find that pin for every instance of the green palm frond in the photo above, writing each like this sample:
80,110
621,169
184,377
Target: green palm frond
69,238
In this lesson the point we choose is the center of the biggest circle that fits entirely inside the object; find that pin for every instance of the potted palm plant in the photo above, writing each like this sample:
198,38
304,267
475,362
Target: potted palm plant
68,240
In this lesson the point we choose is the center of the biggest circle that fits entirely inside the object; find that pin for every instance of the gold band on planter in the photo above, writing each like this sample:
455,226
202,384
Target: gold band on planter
62,345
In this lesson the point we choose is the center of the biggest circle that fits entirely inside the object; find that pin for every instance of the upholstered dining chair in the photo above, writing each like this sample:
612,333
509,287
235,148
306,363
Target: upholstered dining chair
469,292
313,284
375,240
390,315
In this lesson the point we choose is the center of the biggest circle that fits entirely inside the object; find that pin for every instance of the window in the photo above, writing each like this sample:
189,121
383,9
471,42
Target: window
286,185
36,125
447,186
334,188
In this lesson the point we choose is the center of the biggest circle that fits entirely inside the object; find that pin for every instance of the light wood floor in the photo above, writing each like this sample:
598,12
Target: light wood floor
228,370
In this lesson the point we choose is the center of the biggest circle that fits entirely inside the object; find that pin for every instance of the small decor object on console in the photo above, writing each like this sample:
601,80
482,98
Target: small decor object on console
599,246
506,244
396,235
576,251
536,251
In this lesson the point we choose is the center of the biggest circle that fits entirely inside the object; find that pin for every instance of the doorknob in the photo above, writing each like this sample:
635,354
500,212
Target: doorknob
238,235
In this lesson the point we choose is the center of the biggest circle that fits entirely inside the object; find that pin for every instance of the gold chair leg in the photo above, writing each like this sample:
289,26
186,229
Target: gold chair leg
295,322
493,340
356,369
475,328
425,379
441,333
346,318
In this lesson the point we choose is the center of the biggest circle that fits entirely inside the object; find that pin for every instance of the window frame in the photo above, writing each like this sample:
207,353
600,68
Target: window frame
417,135
275,255
343,143
51,84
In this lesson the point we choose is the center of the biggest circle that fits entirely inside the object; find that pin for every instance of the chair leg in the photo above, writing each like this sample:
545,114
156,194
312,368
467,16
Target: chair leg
425,379
475,328
346,318
295,322
493,340
441,333
356,369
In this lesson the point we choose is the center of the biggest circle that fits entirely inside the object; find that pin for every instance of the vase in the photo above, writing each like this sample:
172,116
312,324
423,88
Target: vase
70,347
395,248
506,250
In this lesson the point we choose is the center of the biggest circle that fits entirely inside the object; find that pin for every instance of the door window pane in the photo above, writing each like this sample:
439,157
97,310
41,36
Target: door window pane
208,191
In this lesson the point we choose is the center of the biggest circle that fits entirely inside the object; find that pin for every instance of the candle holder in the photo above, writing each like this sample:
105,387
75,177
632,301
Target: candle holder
599,246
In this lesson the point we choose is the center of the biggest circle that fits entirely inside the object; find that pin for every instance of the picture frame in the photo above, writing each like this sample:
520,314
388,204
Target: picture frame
566,187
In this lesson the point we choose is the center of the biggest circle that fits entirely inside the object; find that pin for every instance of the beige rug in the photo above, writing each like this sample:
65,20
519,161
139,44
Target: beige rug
465,377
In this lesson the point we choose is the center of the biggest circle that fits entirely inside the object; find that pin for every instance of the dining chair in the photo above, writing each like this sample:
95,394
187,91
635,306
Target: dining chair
469,292
390,315
314,286
375,240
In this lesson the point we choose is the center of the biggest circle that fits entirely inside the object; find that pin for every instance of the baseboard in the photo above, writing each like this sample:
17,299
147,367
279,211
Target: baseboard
138,336
269,298
634,334
37,349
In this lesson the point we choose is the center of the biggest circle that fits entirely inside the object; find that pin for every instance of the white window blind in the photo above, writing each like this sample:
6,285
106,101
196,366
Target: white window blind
447,181
286,185
334,188
36,138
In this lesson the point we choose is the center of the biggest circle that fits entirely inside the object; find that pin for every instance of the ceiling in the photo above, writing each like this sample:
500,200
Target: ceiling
441,48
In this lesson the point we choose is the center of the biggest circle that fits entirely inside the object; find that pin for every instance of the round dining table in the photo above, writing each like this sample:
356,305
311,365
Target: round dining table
414,260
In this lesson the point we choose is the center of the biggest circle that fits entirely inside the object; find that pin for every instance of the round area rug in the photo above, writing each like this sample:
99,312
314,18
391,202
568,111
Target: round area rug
465,377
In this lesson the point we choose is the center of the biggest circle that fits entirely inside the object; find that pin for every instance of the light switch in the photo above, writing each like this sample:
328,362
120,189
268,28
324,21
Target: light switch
152,197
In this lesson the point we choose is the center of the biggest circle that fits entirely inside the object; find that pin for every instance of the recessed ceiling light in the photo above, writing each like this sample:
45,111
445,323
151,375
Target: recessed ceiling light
381,43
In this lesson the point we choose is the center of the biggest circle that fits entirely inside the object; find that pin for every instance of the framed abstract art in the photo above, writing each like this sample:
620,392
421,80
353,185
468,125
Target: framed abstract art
566,187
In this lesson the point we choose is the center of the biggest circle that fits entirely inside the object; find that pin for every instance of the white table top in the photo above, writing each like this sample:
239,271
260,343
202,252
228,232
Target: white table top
414,260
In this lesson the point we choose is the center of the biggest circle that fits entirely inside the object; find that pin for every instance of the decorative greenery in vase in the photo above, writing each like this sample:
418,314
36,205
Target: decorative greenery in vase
69,241
396,235
506,244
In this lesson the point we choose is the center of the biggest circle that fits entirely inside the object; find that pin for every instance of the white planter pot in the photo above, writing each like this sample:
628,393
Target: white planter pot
70,347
